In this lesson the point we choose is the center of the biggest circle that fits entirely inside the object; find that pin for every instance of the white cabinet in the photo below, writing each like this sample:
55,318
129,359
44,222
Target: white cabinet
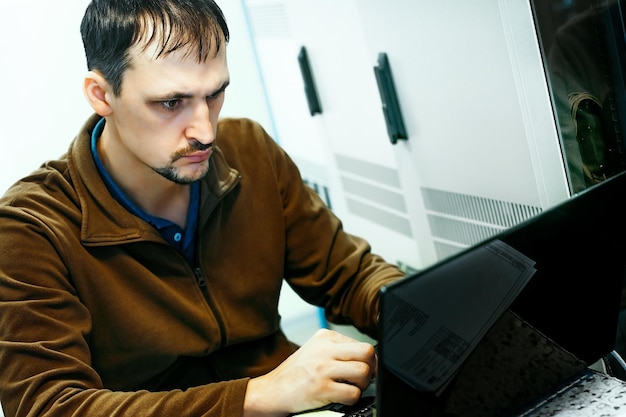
483,144
347,142
482,151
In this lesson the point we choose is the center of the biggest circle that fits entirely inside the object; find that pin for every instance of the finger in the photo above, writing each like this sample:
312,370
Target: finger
356,351
344,393
354,373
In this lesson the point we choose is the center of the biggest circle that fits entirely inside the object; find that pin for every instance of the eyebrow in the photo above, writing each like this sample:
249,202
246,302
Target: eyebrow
222,88
177,96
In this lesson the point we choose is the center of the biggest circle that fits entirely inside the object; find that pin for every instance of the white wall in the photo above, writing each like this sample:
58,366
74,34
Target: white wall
40,78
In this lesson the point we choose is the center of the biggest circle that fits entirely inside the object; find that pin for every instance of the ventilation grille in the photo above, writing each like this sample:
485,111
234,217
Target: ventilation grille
269,20
373,192
457,221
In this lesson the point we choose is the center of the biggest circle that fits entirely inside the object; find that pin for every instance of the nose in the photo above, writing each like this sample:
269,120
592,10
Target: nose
200,127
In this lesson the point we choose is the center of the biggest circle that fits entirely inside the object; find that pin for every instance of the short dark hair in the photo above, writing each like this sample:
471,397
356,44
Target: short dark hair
111,27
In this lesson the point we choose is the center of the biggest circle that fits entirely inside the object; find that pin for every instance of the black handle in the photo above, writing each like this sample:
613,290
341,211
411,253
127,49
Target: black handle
389,98
309,83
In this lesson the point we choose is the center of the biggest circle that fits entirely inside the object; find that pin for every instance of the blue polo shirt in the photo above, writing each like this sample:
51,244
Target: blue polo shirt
182,239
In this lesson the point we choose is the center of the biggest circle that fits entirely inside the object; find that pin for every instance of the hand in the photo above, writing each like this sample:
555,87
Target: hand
329,368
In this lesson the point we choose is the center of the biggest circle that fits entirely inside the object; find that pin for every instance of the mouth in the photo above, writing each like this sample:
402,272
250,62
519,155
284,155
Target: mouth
198,156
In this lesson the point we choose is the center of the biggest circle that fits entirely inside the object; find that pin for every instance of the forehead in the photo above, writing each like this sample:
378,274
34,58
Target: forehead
152,54
178,71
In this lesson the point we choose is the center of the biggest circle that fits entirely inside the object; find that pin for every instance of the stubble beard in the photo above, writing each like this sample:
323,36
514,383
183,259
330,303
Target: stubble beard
172,173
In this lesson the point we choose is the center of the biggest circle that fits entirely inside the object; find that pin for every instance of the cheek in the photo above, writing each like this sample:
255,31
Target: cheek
151,142
153,135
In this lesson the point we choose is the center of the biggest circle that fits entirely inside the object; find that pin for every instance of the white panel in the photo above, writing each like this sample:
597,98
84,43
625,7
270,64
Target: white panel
459,84
475,102
535,105
351,126
245,96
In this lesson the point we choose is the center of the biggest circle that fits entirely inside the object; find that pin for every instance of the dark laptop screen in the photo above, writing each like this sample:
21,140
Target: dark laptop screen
576,256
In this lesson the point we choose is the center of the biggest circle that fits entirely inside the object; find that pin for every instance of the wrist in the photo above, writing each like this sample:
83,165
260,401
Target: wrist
258,402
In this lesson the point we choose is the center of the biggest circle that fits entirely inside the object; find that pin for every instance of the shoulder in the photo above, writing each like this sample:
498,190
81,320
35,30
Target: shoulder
47,182
245,139
44,204
241,130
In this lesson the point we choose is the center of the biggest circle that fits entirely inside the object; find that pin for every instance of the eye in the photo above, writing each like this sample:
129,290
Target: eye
170,105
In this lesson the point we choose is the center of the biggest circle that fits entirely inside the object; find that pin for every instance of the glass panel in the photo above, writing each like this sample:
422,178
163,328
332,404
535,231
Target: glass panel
582,43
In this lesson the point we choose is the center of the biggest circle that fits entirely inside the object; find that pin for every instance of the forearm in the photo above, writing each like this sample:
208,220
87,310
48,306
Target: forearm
217,400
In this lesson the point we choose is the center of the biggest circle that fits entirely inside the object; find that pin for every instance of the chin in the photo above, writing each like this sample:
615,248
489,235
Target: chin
177,176
187,179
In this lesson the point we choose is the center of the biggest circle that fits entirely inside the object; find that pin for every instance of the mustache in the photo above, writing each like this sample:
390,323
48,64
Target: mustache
193,147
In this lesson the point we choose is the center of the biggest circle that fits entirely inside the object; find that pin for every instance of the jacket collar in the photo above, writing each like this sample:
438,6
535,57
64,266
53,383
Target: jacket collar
105,221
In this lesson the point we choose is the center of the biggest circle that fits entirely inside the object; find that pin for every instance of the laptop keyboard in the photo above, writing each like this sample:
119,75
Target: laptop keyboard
363,408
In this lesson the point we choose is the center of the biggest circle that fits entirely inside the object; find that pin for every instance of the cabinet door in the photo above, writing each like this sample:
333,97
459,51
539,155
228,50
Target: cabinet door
277,48
365,186
482,138
482,152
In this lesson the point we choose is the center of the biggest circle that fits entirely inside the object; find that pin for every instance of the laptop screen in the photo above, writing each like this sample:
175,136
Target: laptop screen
529,307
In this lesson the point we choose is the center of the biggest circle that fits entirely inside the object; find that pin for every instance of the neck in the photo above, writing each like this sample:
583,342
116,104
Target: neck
157,196
169,202
147,189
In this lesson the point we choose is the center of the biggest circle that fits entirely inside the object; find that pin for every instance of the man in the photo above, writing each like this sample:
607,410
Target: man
141,272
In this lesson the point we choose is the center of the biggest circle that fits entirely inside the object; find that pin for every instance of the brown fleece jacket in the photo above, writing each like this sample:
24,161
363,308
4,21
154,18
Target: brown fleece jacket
100,317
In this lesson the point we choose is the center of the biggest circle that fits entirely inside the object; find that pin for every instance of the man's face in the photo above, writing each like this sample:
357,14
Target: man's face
165,118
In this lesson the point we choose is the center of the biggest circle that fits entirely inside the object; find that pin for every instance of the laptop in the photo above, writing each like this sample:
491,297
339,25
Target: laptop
503,324
541,306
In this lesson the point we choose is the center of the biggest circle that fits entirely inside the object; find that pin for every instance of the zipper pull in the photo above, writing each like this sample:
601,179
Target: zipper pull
199,278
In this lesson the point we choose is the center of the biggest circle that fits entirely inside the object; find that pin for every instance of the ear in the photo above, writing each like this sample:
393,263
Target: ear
97,92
